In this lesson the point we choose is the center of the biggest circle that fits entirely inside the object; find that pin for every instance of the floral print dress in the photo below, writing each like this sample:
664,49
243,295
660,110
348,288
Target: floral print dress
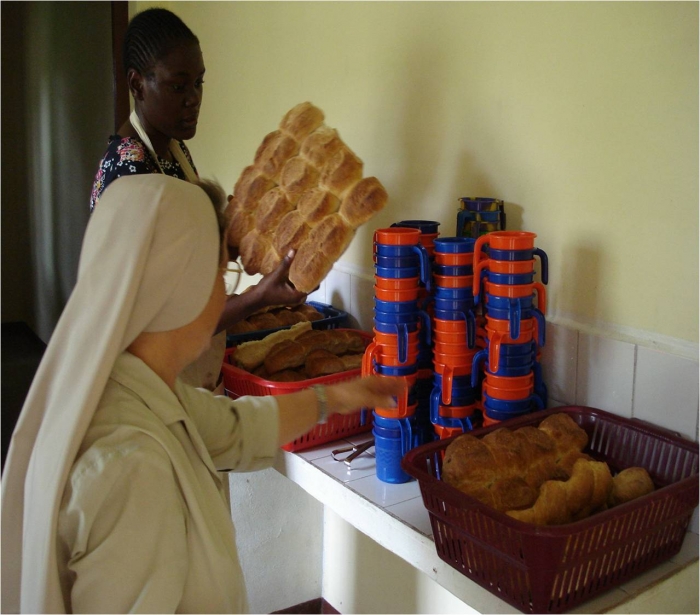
129,156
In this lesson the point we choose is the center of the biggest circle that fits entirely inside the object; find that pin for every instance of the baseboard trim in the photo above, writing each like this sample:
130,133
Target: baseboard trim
317,606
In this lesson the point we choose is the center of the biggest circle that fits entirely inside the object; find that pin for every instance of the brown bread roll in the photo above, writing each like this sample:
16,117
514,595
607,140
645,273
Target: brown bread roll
630,484
322,362
273,206
320,145
315,204
273,153
297,177
341,172
301,120
362,201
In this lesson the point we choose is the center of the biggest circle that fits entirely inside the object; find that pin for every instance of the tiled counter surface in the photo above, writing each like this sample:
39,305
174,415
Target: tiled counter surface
394,516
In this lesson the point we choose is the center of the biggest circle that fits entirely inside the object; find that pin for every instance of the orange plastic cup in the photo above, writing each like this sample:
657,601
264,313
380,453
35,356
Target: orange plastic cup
397,236
515,291
396,283
462,259
450,337
506,240
447,432
404,294
507,394
456,412
453,281
487,420
450,326
510,382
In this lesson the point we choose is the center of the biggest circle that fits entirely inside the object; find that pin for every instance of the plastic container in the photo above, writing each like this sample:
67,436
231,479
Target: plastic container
554,569
332,319
238,382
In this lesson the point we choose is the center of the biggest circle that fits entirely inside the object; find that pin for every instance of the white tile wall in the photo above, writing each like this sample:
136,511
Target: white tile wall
559,363
665,390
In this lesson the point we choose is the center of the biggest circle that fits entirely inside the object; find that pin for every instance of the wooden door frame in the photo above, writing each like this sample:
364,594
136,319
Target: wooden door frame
120,20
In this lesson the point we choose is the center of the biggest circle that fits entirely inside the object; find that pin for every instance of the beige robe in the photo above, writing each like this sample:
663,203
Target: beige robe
143,525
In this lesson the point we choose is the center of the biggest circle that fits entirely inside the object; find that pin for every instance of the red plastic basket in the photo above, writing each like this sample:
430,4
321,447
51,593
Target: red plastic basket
553,569
238,382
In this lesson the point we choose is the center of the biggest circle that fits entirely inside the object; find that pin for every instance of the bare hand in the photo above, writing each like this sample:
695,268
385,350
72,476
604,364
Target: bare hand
369,392
276,289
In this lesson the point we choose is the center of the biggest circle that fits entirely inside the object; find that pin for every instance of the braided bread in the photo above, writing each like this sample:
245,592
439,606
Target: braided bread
305,191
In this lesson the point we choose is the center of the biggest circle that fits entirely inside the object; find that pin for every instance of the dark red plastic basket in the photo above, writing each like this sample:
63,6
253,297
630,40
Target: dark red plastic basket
553,569
238,382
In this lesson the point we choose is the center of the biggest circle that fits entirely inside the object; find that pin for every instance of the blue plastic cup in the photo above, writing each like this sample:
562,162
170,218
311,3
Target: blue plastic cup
426,227
507,366
389,451
385,370
397,261
512,406
395,307
454,294
508,278
454,245
460,395
464,270
521,255
398,272
464,423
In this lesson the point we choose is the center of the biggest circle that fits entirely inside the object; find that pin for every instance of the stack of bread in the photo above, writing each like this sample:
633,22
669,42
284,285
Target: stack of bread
539,474
305,191
275,318
301,353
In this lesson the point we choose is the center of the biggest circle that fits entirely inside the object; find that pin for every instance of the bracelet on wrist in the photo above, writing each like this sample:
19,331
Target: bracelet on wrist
322,403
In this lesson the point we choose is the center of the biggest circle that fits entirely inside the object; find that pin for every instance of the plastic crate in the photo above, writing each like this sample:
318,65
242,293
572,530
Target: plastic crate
553,569
332,319
238,382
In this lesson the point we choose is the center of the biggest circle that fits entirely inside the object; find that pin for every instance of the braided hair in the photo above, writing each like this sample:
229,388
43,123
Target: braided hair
151,35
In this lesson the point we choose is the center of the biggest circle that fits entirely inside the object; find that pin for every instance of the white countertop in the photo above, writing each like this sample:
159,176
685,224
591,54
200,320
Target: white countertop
395,517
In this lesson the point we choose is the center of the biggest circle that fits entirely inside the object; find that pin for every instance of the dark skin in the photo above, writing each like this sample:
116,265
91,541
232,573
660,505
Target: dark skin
167,100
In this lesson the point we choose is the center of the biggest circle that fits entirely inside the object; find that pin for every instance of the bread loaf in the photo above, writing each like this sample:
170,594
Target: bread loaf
310,172
251,355
478,466
539,474
565,501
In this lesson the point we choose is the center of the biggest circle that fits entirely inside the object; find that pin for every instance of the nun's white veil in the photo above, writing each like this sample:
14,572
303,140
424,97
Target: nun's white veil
148,263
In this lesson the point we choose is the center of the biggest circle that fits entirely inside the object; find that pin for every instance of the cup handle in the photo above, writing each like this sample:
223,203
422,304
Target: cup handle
425,321
434,404
478,267
425,270
538,401
367,359
541,296
494,352
446,392
406,435
478,358
544,265
478,244
471,328
514,315
540,325
403,345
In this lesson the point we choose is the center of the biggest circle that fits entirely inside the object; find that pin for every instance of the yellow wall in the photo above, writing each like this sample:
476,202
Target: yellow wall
582,116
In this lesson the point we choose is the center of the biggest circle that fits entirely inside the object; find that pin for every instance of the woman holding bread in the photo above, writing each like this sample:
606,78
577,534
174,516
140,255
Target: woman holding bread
111,500
165,73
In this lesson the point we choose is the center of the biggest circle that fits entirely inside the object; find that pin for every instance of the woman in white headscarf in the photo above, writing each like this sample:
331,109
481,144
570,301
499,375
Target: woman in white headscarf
111,501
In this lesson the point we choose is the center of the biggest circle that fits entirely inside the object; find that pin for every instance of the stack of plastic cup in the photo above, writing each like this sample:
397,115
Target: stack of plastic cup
424,383
480,215
453,399
401,264
513,327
